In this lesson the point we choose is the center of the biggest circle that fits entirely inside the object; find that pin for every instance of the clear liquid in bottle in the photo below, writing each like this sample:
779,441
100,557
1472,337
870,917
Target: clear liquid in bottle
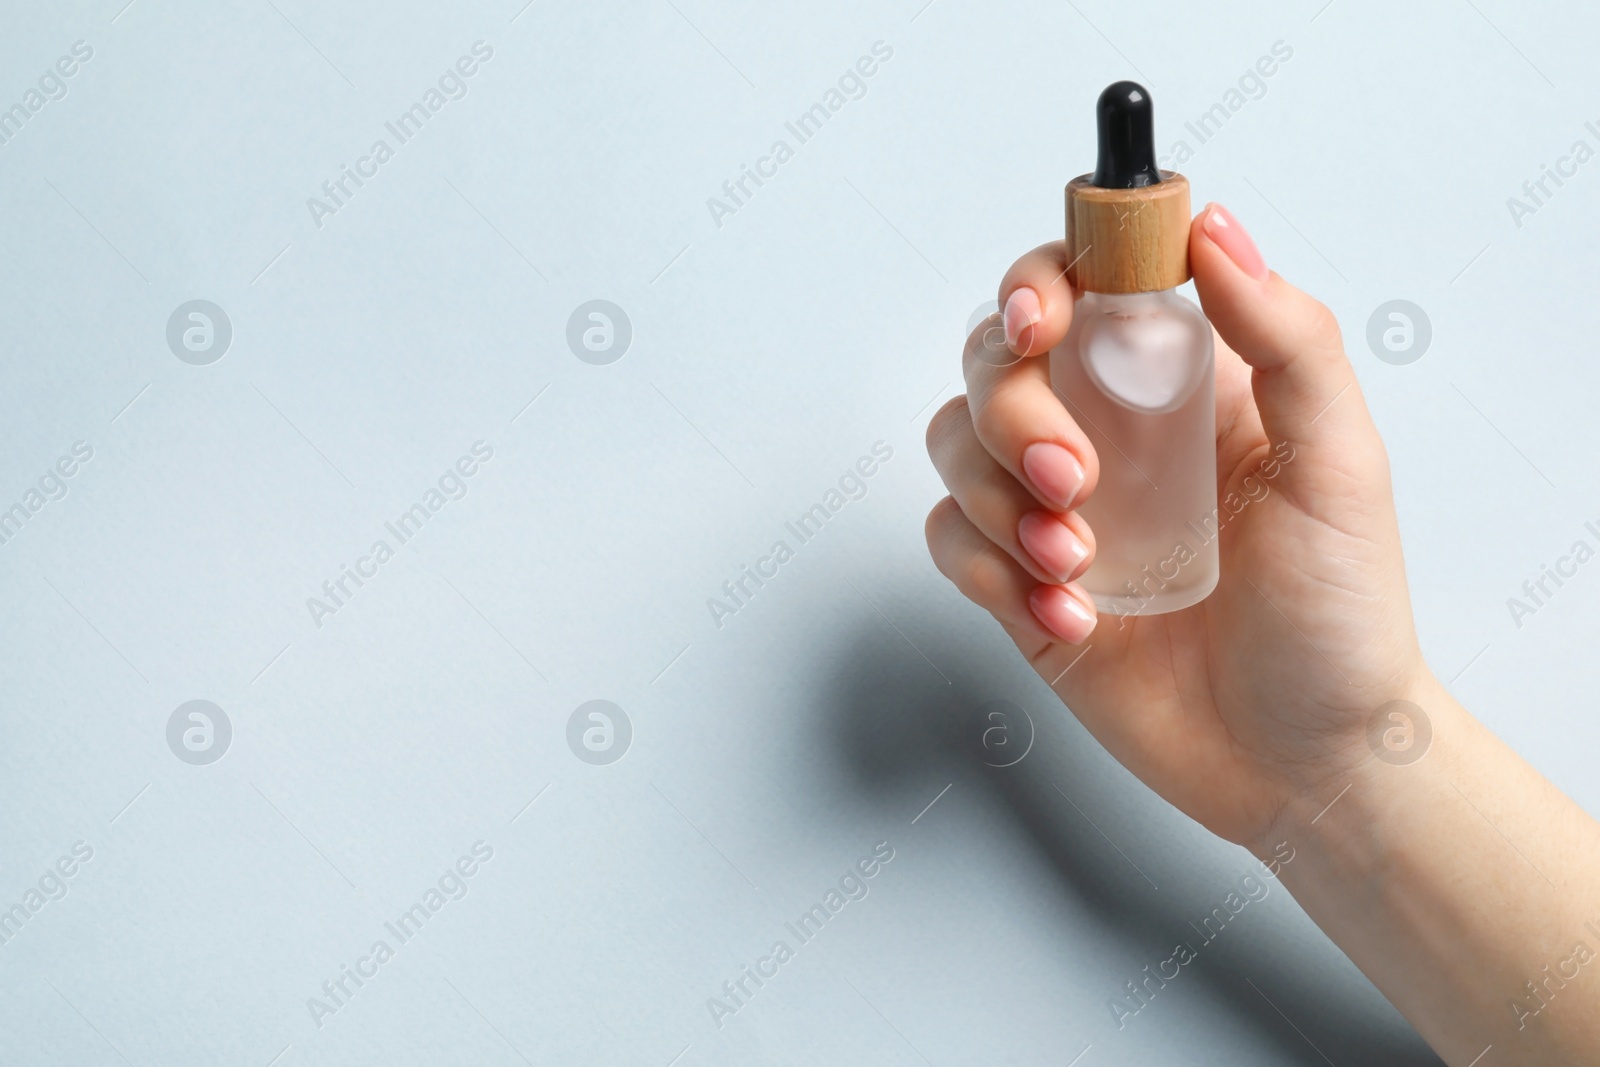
1135,371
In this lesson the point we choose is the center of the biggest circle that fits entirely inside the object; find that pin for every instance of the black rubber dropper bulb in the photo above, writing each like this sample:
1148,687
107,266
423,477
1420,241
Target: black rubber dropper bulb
1127,138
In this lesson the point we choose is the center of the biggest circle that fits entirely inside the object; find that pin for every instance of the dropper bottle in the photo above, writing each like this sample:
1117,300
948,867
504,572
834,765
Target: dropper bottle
1135,371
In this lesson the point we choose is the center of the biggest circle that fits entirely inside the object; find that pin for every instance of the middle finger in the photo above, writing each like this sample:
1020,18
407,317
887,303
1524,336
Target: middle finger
1024,425
1053,547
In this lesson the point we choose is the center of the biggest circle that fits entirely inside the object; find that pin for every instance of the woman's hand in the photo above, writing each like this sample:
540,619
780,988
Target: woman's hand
1263,692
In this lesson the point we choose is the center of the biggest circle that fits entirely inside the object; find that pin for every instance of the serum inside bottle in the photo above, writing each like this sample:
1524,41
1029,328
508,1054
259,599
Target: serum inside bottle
1136,372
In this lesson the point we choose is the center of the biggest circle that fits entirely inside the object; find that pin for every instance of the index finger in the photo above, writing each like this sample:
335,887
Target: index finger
1037,300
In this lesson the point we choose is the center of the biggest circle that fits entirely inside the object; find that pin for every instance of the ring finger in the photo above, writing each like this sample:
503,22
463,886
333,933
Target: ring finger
1053,547
990,578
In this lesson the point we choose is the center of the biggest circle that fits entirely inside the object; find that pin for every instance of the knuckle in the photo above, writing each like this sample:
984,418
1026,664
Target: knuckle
985,579
1322,328
989,420
940,520
945,422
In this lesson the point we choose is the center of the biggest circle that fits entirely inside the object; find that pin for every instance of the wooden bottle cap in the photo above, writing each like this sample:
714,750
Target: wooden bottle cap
1128,240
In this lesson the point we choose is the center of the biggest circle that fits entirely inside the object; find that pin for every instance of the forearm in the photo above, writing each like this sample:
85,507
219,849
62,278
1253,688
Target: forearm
1467,888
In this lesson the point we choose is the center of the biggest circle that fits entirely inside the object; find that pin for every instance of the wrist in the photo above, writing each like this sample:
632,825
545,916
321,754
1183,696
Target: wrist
1407,751
1452,877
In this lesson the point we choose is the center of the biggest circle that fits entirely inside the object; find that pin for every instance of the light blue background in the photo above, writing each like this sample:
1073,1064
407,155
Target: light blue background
768,354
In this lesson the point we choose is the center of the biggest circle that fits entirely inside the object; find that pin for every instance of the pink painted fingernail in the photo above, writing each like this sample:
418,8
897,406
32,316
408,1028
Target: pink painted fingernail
1061,613
1224,229
1022,313
1054,471
1052,545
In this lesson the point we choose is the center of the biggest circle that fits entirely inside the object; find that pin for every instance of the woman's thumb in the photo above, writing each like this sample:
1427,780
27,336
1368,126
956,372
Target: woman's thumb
1304,385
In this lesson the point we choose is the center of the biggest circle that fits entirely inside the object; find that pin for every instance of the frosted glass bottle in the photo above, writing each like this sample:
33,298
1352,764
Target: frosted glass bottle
1136,373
